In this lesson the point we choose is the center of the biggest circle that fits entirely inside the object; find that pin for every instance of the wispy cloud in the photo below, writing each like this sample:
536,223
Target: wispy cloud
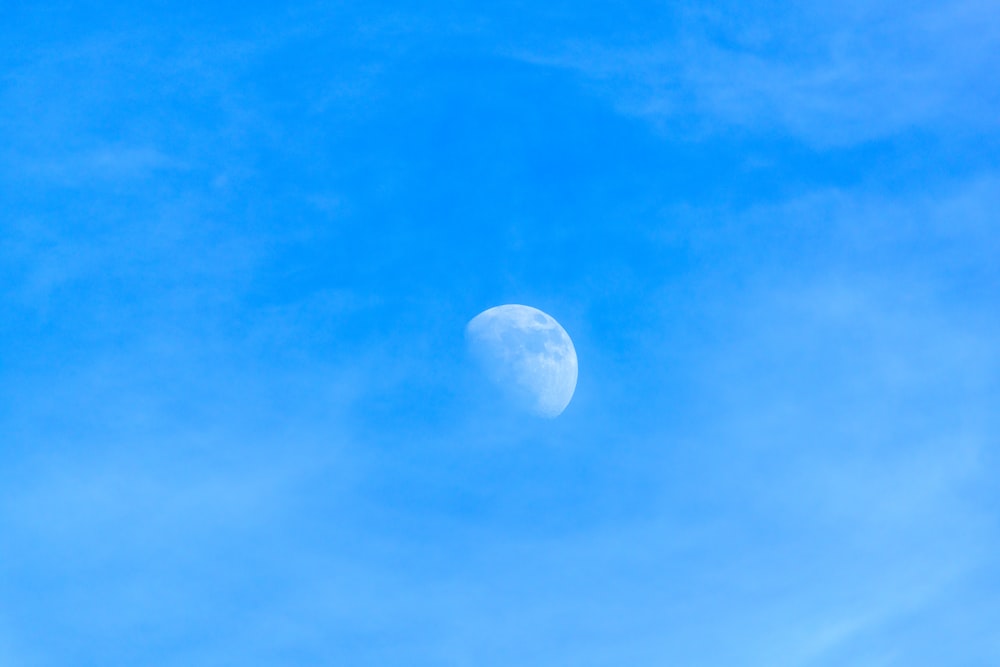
853,408
829,78
102,164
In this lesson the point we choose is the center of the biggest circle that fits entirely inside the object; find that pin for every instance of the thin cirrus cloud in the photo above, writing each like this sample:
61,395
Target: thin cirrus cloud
834,78
104,163
852,396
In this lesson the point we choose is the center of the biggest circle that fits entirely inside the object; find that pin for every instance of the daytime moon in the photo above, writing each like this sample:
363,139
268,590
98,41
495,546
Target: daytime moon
527,355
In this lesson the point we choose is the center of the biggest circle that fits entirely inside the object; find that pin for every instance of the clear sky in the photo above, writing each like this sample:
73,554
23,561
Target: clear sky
239,244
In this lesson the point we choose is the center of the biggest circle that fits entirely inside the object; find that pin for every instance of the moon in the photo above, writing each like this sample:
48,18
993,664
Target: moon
527,355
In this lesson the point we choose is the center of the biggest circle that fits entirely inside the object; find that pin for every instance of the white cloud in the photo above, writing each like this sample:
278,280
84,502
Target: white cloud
99,164
850,374
829,78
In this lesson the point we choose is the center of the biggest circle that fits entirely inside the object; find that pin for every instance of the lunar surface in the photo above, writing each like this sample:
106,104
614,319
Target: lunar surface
527,355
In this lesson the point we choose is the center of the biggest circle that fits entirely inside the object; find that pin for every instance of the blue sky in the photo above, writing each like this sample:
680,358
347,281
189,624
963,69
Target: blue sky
238,248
